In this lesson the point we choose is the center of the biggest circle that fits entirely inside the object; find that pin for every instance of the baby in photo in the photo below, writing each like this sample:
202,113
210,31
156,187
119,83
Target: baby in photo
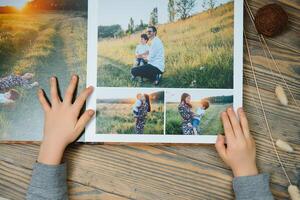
200,111
138,103
9,97
142,51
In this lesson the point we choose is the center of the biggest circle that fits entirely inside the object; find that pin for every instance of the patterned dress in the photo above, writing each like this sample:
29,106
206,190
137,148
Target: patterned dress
11,81
141,118
187,115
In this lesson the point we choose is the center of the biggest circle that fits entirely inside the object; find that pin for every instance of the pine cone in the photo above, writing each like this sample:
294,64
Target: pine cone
270,20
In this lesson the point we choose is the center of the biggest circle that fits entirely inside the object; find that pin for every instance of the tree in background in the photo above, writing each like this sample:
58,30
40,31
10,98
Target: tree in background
208,5
184,8
141,26
154,17
131,27
171,10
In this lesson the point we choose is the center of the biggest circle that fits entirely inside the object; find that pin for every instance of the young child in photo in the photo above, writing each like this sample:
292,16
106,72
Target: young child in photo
200,111
142,50
9,97
138,103
12,80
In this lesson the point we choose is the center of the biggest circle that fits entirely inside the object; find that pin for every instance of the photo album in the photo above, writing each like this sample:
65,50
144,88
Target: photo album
162,70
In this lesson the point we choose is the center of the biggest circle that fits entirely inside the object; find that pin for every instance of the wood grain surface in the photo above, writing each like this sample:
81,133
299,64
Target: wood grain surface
184,171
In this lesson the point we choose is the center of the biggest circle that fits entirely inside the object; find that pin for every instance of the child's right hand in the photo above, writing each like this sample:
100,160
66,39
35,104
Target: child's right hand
62,125
239,154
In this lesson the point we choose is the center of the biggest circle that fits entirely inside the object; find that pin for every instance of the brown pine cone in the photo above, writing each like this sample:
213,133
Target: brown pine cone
270,20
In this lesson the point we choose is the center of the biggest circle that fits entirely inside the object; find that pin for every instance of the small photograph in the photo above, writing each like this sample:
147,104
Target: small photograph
130,111
196,112
38,39
165,43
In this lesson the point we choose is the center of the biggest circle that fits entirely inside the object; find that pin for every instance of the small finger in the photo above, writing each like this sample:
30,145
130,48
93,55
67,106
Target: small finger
43,101
79,102
83,120
244,122
227,127
54,92
234,123
70,90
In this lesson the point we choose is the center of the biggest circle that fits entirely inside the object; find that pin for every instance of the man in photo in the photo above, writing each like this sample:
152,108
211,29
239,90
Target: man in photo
156,59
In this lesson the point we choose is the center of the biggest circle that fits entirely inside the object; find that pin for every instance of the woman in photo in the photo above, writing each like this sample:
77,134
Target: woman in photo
184,109
142,115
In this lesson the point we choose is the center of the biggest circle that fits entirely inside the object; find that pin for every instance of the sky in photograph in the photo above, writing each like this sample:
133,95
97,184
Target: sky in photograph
15,3
175,95
122,93
119,11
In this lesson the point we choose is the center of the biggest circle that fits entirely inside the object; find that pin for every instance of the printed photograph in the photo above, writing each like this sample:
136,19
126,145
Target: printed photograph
38,39
130,111
165,43
195,112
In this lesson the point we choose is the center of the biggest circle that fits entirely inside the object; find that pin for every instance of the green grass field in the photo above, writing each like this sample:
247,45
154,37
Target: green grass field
198,52
118,118
210,123
46,44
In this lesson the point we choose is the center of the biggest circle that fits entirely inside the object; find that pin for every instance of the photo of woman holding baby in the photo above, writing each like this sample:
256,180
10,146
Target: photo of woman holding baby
195,112
130,111
191,120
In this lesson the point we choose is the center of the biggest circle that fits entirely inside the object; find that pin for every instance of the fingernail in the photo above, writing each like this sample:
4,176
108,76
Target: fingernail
74,77
91,112
53,78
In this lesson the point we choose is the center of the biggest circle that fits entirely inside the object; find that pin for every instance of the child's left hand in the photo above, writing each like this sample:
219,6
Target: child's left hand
62,126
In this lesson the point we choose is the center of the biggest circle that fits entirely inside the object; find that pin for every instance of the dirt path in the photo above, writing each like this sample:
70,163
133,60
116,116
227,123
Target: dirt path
29,111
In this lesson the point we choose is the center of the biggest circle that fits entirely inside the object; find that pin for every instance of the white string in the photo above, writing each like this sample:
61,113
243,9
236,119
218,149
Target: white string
262,40
263,111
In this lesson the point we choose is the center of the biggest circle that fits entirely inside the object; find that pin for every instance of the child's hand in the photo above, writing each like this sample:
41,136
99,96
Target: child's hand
62,126
239,154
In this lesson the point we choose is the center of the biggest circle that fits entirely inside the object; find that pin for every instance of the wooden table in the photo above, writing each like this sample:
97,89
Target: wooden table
183,171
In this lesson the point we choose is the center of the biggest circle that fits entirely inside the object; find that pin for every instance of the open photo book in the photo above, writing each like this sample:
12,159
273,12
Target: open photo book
162,70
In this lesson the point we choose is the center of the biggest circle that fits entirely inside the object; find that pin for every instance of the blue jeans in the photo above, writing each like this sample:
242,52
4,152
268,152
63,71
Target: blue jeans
195,122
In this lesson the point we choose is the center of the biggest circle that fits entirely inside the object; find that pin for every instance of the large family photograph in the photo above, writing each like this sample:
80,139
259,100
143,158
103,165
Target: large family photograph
128,111
195,113
38,39
165,43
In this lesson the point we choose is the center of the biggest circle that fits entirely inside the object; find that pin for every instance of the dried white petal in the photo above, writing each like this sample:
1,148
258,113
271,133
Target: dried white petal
284,146
294,192
279,91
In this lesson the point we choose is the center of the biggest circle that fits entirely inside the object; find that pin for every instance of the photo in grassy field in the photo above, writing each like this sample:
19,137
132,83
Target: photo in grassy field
38,39
196,112
195,44
130,111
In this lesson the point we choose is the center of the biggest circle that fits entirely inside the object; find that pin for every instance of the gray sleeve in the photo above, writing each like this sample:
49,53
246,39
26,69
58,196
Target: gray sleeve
48,182
252,187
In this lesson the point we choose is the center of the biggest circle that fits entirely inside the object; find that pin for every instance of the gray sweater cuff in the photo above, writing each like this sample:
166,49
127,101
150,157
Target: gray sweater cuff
252,187
48,182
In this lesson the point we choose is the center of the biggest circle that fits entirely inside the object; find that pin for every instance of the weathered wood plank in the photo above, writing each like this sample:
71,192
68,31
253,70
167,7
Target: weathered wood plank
184,171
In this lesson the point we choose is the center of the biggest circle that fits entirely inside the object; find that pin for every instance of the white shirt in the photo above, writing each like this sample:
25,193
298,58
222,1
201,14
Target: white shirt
141,49
157,54
200,112
4,99
136,106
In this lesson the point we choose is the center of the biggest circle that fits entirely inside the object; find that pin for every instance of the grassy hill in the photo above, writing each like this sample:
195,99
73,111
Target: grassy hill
198,52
